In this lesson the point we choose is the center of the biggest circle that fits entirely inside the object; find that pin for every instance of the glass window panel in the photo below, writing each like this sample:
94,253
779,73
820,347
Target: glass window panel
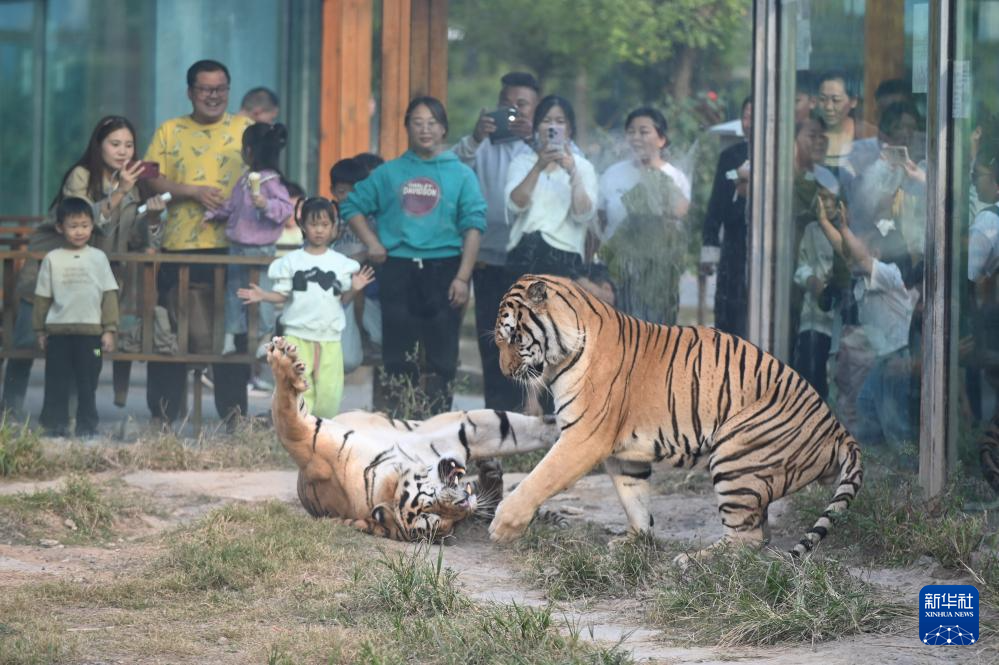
851,128
975,187
19,106
655,201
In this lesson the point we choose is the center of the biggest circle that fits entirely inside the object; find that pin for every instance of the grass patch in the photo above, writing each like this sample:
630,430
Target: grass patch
578,562
739,597
78,512
252,446
273,585
890,523
20,448
239,547
423,615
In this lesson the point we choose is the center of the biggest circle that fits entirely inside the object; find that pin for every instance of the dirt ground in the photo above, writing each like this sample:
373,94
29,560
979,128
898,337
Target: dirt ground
487,572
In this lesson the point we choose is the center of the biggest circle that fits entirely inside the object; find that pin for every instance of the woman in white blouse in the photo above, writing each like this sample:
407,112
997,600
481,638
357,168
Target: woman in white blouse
643,203
551,196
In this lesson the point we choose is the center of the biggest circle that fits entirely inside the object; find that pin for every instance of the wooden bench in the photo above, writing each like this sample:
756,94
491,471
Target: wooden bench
146,266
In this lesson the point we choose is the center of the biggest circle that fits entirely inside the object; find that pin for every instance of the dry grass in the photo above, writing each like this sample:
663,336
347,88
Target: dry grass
252,446
269,584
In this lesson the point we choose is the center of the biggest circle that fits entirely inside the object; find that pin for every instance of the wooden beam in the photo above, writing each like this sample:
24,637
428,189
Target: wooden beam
428,59
884,49
438,49
395,87
345,88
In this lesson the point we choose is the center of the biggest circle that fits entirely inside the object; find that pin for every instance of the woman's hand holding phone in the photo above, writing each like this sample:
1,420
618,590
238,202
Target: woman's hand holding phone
128,175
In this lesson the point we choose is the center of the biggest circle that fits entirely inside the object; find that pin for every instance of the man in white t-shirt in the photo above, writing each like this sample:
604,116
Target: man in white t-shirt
75,317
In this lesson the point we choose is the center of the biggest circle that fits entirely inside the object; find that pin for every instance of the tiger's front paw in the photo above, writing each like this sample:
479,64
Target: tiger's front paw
510,522
285,365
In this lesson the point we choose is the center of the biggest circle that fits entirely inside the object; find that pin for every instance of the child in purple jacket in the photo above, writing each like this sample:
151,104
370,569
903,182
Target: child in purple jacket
254,215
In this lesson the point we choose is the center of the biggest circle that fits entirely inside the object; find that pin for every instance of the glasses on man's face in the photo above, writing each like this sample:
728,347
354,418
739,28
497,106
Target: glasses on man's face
217,91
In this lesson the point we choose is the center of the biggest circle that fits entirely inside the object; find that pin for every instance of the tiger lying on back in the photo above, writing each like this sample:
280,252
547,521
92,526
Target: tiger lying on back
628,393
393,478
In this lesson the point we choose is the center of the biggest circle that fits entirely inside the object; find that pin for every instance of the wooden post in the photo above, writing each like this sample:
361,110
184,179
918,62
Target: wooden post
345,89
428,58
884,49
395,77
414,62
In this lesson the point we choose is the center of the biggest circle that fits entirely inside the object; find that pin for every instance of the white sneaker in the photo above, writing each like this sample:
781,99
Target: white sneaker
229,344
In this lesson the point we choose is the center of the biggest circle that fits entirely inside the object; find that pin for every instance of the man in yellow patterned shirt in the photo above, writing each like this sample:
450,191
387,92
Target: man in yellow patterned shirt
200,158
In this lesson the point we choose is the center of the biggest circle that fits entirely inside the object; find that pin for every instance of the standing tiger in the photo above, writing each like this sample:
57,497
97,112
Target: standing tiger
628,393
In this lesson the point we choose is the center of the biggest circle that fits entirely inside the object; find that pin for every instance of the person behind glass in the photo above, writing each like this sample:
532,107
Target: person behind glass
107,176
314,283
888,177
75,318
644,201
887,296
836,103
490,159
200,163
260,105
430,215
551,197
983,263
723,237
254,216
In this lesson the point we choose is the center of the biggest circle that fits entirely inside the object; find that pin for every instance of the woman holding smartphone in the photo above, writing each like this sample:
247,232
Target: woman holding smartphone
107,176
551,196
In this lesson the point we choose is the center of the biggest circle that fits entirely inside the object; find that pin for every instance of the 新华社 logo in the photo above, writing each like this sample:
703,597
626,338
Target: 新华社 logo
948,614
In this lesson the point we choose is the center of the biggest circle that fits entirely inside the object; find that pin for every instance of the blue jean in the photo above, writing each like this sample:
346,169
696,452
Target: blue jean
238,277
883,402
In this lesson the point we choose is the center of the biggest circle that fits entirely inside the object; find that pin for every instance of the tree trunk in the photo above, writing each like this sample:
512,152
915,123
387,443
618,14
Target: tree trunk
581,93
683,73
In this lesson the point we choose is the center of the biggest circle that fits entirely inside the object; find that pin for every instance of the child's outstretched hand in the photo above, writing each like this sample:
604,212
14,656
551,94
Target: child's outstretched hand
362,278
251,295
107,342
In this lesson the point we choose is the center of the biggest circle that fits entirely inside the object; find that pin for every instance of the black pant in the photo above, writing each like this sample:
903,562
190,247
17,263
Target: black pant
534,256
71,360
811,354
416,311
491,284
166,383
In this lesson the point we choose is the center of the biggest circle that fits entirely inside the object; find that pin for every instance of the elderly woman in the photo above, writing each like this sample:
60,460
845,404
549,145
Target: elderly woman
551,196
643,202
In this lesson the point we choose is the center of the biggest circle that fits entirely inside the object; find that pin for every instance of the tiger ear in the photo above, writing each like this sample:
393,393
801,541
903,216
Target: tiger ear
537,292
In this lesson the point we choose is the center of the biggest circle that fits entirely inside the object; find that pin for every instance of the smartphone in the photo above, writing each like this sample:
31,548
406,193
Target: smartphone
503,116
555,137
896,154
149,170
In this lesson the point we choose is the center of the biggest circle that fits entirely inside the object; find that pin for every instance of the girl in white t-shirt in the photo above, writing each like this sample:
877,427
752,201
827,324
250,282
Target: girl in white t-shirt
314,283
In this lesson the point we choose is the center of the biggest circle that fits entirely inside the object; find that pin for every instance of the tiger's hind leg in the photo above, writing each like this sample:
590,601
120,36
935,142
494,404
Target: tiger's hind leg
631,481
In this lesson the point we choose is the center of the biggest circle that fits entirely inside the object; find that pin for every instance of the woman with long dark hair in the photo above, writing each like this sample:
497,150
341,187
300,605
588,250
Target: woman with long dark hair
108,176
551,196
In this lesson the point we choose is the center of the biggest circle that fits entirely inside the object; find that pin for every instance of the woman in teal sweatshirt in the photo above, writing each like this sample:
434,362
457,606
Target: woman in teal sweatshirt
429,215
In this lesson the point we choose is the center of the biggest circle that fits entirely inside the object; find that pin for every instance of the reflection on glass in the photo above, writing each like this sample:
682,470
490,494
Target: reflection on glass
853,207
975,189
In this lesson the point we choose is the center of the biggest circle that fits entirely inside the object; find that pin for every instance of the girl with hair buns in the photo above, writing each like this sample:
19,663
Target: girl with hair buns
254,216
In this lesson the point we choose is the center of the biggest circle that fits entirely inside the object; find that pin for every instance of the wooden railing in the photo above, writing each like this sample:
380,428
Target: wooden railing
145,267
